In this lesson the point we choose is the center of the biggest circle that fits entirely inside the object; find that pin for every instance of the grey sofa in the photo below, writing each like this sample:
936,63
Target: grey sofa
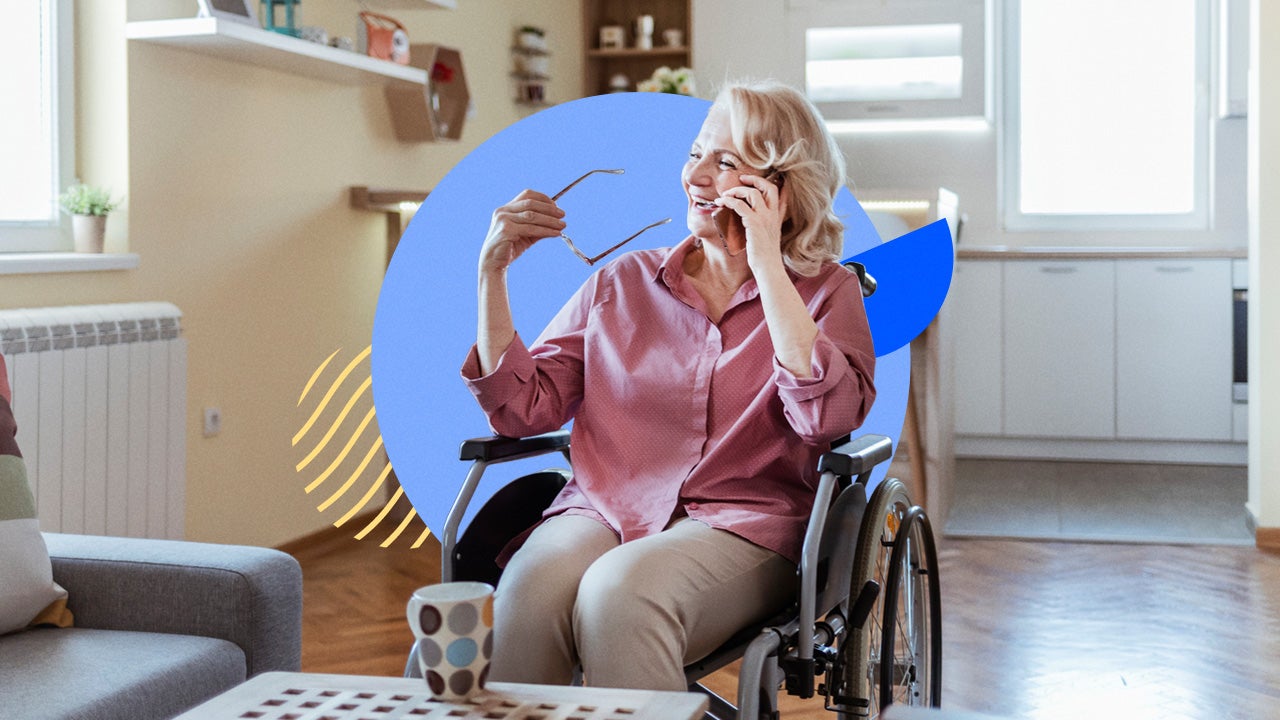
160,626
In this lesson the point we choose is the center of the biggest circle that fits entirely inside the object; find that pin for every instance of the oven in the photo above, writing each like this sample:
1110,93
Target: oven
1240,332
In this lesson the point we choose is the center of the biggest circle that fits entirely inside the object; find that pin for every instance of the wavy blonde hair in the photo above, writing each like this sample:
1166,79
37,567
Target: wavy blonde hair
776,128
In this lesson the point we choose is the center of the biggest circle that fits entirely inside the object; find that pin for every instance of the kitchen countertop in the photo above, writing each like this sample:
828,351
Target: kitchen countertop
1058,252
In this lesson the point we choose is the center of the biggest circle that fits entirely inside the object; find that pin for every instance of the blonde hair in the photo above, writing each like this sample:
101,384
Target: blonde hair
776,128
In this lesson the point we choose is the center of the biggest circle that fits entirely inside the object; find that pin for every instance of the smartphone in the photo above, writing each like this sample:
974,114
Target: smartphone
732,234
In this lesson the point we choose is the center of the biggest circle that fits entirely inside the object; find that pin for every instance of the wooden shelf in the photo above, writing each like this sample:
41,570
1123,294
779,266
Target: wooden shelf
415,4
636,52
243,43
603,64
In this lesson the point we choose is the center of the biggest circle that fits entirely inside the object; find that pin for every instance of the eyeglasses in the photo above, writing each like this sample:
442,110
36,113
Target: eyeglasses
579,253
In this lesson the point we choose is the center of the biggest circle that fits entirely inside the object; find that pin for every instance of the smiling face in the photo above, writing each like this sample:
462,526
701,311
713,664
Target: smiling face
713,167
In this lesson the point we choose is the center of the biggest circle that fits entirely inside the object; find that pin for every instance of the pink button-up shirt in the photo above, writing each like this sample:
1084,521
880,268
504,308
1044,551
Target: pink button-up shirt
676,414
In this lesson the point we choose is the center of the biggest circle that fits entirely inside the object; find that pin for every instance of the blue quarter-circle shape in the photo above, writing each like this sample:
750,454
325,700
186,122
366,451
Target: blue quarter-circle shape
426,315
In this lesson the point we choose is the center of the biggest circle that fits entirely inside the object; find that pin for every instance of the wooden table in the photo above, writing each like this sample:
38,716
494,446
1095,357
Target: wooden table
308,696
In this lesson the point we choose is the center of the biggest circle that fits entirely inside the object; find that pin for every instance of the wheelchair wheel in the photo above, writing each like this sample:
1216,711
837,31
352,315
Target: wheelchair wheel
911,644
872,675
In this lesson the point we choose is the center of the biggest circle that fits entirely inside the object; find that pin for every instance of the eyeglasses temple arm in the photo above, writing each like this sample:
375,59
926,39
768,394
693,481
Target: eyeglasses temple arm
584,177
664,221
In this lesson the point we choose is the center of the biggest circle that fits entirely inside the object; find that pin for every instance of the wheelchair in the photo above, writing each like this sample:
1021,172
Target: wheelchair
866,615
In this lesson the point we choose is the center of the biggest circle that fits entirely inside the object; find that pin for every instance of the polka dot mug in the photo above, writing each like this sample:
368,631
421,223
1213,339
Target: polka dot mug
454,626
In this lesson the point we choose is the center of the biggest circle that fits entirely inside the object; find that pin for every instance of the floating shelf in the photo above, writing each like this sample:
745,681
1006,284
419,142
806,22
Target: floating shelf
416,4
244,43
636,52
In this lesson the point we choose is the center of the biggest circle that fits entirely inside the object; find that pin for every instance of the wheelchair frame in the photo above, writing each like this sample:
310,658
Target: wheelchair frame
888,578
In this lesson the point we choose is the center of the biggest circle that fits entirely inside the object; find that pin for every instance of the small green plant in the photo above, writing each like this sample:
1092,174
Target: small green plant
87,200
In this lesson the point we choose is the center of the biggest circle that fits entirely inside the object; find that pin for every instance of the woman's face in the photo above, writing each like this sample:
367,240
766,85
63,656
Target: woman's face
713,167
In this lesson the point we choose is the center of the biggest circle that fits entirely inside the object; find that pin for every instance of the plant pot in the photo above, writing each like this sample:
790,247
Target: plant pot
88,232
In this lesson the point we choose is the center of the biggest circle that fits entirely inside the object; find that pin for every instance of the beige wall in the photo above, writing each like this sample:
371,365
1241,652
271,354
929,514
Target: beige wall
236,180
1264,268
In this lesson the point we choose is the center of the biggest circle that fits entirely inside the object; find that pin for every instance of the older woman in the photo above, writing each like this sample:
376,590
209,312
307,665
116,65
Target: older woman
704,380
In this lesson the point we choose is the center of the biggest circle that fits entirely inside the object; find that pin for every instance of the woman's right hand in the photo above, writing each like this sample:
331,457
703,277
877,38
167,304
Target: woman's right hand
516,226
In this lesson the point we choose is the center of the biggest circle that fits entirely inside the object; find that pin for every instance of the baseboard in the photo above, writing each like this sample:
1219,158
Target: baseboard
1142,451
1268,538
321,541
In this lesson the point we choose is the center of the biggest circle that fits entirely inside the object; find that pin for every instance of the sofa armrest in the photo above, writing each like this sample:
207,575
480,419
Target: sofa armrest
247,595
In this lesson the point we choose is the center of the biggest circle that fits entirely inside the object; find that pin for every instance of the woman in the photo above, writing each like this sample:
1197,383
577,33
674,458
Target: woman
704,380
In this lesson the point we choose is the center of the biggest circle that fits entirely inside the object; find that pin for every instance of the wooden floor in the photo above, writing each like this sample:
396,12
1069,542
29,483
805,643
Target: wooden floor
1036,630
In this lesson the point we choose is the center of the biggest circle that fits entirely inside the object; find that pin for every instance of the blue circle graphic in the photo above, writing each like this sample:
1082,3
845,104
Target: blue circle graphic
426,316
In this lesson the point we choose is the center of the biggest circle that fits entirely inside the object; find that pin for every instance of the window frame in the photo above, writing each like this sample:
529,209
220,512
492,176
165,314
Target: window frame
1009,143
53,236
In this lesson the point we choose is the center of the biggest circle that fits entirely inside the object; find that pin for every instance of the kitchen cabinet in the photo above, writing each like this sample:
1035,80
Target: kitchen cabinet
1173,354
976,301
1059,351
1094,358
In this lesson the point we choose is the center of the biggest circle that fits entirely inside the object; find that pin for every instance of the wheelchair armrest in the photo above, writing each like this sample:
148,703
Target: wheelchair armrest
856,456
498,448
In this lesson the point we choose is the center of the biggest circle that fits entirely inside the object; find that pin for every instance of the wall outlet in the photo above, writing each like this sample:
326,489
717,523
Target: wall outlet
212,421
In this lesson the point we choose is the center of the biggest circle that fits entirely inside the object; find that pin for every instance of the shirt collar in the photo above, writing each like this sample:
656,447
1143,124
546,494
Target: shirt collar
671,274
673,263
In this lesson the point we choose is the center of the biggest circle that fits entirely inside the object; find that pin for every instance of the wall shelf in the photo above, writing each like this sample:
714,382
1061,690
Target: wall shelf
416,4
602,65
243,43
637,52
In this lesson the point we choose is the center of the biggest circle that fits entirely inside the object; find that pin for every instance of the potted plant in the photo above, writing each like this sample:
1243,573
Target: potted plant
532,38
88,207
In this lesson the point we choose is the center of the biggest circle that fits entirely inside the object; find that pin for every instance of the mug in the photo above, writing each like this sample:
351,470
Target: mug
453,623
673,37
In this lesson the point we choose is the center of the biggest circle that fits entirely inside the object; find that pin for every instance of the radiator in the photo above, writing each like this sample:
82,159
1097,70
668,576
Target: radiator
99,393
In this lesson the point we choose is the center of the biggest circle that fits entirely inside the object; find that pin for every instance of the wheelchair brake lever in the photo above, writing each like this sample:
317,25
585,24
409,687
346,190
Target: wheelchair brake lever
866,601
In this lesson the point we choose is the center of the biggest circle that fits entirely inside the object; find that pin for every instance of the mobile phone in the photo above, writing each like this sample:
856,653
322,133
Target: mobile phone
732,233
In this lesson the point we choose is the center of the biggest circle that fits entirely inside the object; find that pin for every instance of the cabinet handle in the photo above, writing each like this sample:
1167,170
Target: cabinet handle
1171,269
1058,269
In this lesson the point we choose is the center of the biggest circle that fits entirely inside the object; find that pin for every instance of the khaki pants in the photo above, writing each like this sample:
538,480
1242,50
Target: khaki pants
632,615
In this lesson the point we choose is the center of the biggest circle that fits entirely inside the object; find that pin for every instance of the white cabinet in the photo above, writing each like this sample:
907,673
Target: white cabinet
1059,350
1173,354
1124,359
977,311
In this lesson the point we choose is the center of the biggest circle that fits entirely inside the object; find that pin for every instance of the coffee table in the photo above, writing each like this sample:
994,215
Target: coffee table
310,696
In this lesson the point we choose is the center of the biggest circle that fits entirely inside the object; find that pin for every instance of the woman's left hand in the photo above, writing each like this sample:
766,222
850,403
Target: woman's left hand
762,207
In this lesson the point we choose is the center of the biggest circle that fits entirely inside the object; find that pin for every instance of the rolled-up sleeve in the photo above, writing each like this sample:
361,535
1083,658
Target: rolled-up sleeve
838,397
538,389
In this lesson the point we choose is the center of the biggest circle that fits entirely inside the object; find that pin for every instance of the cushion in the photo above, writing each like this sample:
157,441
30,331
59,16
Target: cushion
53,674
28,595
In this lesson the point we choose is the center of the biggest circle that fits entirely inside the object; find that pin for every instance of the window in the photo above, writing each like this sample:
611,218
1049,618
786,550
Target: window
1106,114
883,64
910,59
37,125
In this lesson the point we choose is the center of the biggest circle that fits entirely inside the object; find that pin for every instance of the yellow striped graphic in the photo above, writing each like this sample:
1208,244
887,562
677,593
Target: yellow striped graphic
348,452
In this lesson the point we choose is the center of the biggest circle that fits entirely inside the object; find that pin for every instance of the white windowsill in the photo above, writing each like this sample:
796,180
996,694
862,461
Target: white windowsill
61,262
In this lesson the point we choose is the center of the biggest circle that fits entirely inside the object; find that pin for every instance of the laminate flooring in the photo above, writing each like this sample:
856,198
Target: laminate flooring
1033,630
1093,501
